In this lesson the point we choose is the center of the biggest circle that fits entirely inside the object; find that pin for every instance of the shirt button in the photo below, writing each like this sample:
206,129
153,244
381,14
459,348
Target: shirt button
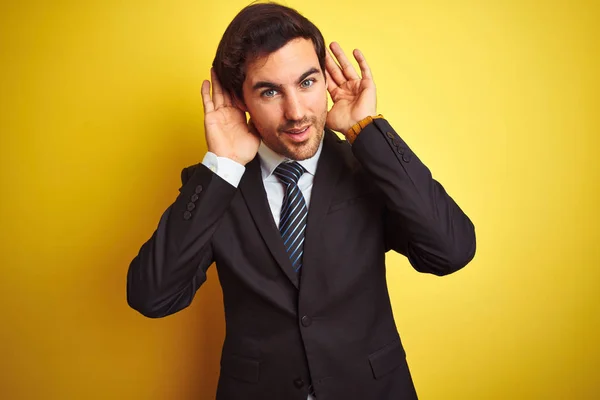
306,321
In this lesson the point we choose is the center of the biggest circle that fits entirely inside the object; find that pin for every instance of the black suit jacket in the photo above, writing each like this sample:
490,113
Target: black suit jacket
331,329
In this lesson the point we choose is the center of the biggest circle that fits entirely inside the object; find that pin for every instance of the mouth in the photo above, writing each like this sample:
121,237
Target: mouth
298,134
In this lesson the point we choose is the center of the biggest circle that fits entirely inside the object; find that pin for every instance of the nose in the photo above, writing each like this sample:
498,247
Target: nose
293,110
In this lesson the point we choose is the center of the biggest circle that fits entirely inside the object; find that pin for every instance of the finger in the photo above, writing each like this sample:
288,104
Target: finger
334,70
347,68
217,95
331,85
207,102
365,71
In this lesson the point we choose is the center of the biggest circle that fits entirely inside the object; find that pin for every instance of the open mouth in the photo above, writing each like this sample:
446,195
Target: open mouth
297,131
298,134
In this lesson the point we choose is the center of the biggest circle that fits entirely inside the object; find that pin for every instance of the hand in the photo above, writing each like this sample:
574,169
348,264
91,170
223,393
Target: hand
227,132
354,98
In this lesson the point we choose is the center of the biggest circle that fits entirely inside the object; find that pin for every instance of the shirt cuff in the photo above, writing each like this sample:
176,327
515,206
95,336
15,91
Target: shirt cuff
226,168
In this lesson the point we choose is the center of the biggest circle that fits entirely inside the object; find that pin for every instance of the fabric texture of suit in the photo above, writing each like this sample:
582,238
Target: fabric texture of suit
331,327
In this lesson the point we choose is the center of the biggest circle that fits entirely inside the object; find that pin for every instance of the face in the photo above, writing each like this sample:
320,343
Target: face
286,96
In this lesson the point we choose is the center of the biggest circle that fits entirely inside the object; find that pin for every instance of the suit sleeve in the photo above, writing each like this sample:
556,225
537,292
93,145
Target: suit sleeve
422,221
171,265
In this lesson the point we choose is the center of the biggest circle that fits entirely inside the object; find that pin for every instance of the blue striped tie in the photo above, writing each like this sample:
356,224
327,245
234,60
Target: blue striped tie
292,222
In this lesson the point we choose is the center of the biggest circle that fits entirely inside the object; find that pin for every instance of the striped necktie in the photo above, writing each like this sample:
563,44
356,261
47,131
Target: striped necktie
294,212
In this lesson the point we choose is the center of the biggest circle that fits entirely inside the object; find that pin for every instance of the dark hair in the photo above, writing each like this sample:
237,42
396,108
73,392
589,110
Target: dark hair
259,30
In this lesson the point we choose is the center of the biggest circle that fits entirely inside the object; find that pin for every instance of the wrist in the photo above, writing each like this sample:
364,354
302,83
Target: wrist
352,133
229,156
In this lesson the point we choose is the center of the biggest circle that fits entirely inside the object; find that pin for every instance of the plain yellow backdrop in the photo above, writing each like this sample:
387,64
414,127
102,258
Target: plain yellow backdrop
100,109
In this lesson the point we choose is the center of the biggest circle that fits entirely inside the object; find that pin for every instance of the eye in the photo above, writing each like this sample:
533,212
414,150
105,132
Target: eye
307,83
269,93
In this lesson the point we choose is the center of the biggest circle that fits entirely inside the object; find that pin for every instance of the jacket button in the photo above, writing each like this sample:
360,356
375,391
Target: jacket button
194,197
191,206
198,188
396,142
390,135
401,150
298,383
306,321
406,157
187,215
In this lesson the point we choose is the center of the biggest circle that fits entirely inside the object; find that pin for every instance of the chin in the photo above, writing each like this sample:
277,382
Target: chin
303,151
298,151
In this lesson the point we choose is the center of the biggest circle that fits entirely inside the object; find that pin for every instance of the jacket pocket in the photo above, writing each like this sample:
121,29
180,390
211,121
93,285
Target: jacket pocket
349,202
386,359
242,368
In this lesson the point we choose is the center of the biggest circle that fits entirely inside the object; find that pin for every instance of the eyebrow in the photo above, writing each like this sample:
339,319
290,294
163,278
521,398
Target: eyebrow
271,85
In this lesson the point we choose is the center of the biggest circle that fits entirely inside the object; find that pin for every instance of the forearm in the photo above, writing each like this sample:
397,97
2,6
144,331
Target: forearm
172,264
424,222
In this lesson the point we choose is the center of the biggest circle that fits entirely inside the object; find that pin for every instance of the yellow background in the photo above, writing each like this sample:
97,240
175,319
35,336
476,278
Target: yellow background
100,109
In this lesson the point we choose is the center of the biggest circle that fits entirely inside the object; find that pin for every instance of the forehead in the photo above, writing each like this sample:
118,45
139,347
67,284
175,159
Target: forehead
284,65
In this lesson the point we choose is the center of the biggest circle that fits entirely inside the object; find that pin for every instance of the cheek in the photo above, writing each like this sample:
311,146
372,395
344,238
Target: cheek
265,116
318,101
264,119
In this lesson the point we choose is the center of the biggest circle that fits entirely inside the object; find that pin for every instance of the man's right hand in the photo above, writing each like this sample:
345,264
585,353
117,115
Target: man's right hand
227,132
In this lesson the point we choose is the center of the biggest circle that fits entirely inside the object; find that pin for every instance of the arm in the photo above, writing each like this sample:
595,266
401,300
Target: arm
423,222
170,267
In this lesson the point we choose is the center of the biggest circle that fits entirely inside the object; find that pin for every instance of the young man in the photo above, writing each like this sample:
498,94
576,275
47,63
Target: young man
298,221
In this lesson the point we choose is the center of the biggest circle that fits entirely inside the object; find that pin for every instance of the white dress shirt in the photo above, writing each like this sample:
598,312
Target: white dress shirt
232,172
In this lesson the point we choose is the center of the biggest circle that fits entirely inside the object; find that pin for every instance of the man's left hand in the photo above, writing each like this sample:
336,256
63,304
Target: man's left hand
354,97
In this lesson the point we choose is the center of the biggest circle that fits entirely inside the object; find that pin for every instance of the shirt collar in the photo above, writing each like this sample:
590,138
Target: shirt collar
269,160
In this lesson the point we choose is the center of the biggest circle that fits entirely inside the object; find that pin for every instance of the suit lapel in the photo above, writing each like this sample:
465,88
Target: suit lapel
253,190
329,168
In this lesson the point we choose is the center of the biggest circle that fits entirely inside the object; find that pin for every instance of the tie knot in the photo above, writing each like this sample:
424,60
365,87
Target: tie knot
289,172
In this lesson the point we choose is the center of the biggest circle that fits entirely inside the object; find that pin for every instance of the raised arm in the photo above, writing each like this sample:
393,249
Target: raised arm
171,265
422,221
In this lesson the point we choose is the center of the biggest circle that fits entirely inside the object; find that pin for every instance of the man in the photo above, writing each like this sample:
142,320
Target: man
298,221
